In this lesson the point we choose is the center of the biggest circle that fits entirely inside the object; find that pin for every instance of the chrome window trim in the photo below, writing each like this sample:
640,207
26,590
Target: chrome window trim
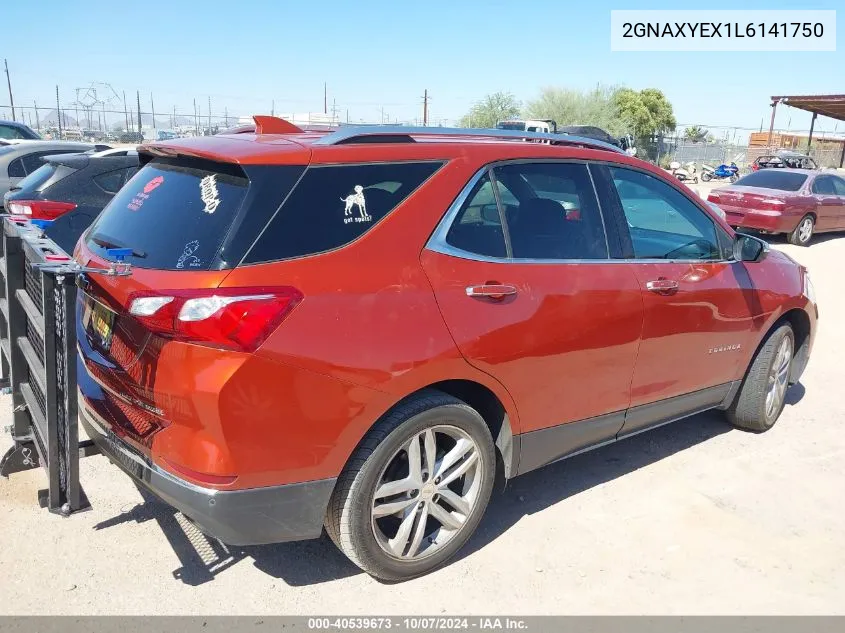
437,242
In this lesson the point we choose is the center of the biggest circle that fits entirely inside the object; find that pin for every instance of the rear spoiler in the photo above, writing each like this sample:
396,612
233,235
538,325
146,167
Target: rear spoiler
265,125
77,161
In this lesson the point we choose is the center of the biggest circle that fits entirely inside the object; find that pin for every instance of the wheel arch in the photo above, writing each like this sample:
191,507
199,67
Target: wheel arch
497,414
801,325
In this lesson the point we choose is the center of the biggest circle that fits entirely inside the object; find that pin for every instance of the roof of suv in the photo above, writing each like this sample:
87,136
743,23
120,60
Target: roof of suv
362,143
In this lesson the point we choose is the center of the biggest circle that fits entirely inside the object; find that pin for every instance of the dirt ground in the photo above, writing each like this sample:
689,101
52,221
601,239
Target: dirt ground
693,518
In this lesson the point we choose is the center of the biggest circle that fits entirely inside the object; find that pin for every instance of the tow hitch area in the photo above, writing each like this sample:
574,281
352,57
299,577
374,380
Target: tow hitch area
38,358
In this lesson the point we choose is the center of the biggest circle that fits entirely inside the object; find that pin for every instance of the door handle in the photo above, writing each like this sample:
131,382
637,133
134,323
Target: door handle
661,286
491,291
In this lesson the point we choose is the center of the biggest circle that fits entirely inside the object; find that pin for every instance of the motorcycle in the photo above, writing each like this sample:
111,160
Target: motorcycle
685,173
722,172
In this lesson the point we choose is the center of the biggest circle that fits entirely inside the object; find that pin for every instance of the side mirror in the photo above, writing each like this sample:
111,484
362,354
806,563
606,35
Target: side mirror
749,249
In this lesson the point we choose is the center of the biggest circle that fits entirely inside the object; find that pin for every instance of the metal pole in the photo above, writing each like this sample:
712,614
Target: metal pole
273,108
125,113
37,121
9,83
153,108
105,123
774,106
138,98
425,107
325,98
812,125
226,116
58,113
209,115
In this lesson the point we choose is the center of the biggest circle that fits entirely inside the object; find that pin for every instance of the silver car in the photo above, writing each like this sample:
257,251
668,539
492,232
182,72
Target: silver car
18,158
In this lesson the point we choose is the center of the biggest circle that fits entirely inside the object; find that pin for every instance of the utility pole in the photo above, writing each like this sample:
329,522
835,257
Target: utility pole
125,113
58,113
425,107
226,116
105,123
37,122
273,108
173,120
9,83
325,98
138,97
153,108
209,115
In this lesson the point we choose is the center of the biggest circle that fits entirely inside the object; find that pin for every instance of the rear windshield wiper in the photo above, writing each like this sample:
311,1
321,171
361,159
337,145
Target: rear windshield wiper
107,242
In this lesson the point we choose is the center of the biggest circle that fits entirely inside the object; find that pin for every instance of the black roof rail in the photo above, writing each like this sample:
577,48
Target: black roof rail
404,134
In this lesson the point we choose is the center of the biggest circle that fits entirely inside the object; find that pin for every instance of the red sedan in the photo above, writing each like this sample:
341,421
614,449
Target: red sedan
797,202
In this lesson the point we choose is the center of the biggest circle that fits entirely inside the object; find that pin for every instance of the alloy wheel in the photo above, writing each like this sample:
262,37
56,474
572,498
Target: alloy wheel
805,230
778,379
427,492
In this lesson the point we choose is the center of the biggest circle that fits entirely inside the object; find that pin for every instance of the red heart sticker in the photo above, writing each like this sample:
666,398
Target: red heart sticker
155,182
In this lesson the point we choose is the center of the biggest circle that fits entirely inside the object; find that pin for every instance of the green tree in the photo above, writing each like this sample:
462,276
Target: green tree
648,114
577,107
490,110
696,134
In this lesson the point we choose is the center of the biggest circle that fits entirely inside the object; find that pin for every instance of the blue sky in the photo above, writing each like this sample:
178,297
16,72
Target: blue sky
376,55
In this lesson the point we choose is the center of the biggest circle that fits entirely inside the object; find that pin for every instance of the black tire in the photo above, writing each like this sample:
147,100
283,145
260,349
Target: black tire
796,236
748,410
349,520
706,176
734,177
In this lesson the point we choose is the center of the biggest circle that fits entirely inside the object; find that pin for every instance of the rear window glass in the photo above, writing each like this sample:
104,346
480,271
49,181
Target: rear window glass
174,215
773,179
335,205
37,178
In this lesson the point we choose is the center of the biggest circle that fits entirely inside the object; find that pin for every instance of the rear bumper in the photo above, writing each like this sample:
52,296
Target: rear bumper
255,516
772,221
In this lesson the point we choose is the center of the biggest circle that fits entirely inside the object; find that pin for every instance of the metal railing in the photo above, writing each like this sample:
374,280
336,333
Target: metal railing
38,357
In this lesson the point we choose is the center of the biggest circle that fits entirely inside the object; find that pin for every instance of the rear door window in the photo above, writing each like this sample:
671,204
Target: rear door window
477,228
824,185
334,205
173,214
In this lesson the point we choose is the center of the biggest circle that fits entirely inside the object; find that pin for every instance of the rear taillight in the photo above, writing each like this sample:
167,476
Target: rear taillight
40,209
713,197
770,204
231,318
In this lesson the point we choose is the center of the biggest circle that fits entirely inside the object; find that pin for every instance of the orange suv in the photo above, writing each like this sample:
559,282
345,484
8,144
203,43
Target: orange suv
361,328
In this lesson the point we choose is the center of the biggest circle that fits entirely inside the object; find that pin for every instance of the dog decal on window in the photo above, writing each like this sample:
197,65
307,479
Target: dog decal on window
356,199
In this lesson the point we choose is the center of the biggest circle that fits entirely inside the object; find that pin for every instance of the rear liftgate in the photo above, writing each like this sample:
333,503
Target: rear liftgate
38,343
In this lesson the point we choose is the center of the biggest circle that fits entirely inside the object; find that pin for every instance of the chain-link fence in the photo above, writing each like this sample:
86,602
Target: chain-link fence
101,124
713,154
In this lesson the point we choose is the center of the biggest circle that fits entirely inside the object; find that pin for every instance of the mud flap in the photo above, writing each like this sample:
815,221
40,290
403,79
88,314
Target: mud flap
38,357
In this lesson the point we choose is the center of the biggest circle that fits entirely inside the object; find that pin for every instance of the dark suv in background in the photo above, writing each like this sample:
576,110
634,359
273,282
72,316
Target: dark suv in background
70,190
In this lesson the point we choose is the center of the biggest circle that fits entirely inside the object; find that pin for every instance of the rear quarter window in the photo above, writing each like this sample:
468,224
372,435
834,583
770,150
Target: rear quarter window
334,205
773,179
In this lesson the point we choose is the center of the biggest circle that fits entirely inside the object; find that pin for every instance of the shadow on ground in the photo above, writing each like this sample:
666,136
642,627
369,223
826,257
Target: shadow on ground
318,561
